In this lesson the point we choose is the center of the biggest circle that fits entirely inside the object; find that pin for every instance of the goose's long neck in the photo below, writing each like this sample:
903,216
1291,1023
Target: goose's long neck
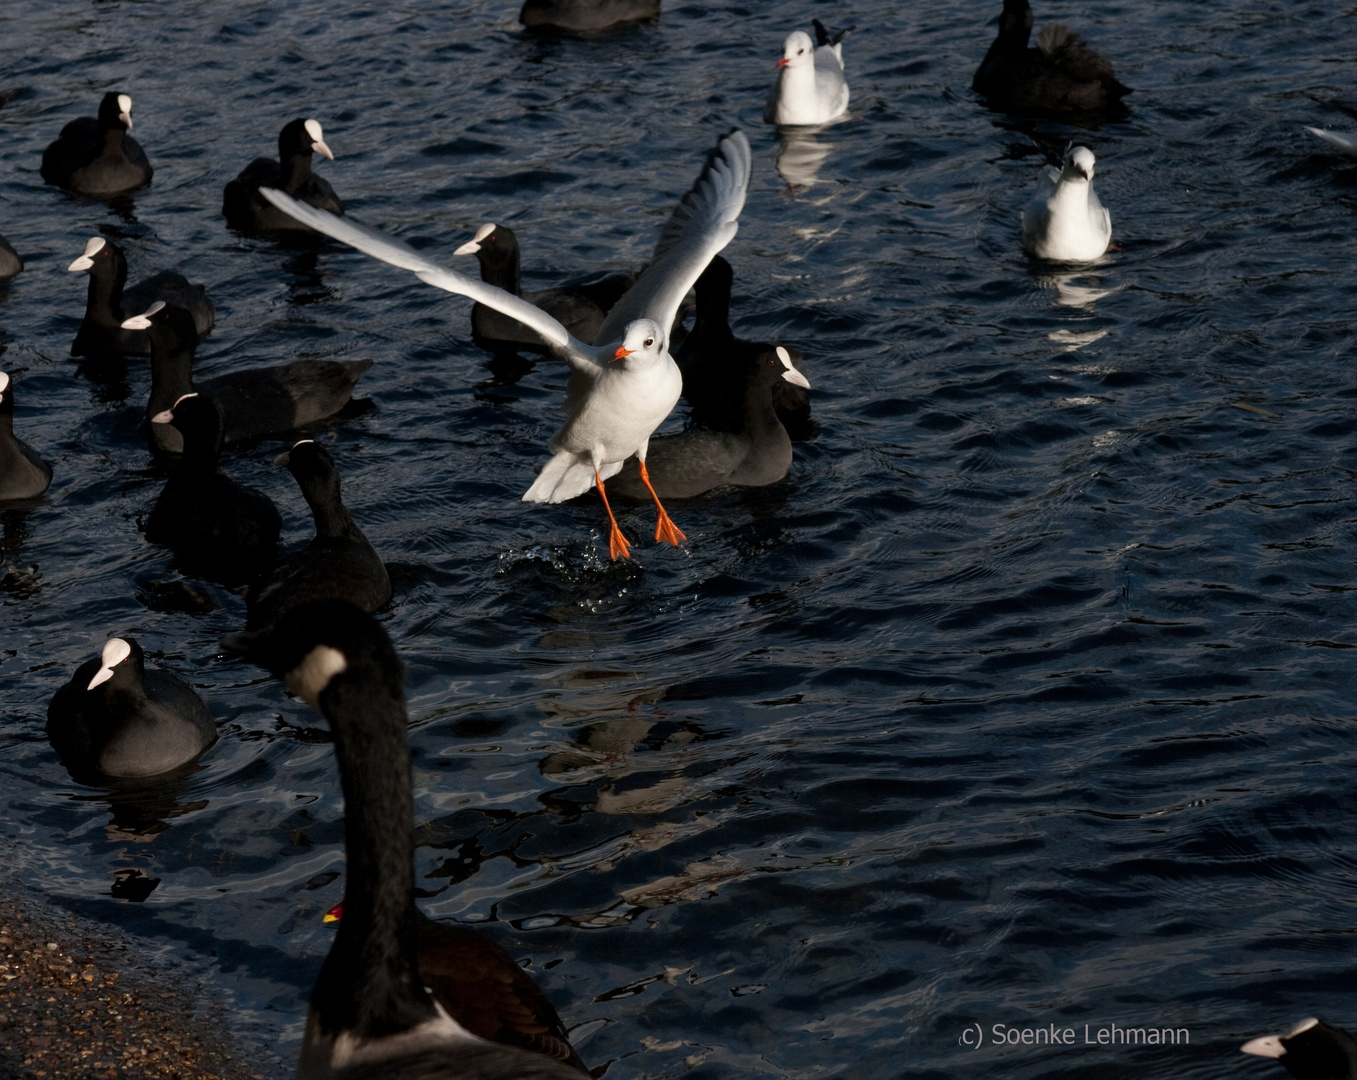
369,986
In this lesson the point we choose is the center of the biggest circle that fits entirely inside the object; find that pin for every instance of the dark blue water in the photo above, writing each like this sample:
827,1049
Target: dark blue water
1026,700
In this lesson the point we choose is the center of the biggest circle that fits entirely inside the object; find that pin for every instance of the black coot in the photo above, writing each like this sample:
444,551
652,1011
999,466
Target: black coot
10,263
115,718
580,308
1060,75
1312,1050
245,209
338,564
96,156
255,402
712,361
101,334
216,527
23,474
585,16
756,453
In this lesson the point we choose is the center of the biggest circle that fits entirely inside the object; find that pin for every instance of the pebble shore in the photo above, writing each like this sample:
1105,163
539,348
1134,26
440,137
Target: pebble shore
77,1004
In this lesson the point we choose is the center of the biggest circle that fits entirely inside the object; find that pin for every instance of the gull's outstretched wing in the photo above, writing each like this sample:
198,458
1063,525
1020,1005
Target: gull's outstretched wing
1344,143
580,356
705,220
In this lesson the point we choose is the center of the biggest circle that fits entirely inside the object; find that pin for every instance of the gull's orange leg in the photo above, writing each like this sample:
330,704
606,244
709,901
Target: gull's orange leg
665,529
617,543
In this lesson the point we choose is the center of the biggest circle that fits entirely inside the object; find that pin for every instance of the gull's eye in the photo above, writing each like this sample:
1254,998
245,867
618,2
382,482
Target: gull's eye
649,342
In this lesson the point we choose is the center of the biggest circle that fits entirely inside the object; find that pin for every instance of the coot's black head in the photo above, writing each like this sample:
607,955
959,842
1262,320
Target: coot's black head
199,419
302,137
717,276
1312,1050
314,469
495,246
122,665
102,258
318,647
771,365
1015,23
115,110
169,326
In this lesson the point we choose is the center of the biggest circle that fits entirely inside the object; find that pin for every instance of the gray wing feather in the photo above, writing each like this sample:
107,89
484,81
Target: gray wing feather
580,356
705,220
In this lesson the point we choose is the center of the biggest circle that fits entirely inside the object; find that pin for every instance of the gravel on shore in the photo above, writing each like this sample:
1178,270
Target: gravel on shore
76,1003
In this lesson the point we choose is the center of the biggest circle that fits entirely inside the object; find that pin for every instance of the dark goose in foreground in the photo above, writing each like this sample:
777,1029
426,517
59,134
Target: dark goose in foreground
216,527
255,402
115,718
246,211
23,474
101,334
338,564
585,16
1061,75
370,1014
481,988
97,156
1312,1050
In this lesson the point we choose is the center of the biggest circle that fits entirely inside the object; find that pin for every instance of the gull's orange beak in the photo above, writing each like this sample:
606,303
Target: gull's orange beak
783,62
622,351
335,913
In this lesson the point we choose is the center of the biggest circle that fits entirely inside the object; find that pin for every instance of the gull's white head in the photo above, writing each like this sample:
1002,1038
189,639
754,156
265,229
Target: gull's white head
143,321
1078,162
643,342
798,50
116,651
92,249
125,109
317,139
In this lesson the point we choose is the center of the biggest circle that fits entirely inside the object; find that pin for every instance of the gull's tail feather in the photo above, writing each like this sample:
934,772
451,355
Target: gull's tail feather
565,476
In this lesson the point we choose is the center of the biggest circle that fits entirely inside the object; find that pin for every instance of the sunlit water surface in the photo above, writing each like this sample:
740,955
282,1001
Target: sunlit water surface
1027,699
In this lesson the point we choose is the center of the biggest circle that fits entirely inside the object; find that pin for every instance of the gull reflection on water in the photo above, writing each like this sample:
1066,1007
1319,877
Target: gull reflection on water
801,155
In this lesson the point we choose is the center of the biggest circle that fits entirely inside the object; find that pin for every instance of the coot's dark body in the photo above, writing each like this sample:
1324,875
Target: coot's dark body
255,403
246,210
1061,75
95,155
216,527
101,334
338,564
135,723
